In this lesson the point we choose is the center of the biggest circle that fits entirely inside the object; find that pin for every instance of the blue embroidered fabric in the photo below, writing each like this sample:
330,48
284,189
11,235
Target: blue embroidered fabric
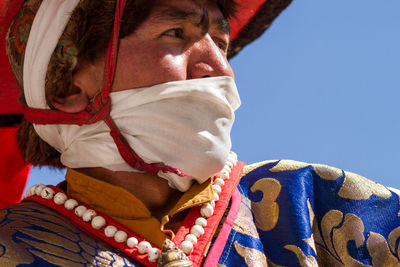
309,215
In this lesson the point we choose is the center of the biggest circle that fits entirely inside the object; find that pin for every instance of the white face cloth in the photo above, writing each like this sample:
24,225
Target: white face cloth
185,124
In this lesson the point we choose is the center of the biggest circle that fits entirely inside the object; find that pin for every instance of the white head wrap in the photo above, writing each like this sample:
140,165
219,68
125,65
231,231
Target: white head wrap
47,28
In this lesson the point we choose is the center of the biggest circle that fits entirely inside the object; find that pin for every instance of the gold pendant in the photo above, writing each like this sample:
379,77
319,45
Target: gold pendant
172,256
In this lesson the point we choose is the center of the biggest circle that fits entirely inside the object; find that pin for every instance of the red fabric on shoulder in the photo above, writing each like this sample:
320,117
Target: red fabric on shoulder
8,86
14,169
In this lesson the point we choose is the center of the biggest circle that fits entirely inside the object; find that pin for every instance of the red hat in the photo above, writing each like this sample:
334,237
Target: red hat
8,87
253,18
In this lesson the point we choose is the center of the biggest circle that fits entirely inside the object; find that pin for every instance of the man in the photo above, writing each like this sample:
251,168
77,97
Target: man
154,107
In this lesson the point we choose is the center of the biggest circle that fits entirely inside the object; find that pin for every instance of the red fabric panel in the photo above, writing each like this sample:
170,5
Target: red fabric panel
212,222
14,169
8,87
218,247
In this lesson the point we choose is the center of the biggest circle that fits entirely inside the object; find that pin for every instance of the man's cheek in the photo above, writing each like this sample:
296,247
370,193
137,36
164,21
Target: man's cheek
174,68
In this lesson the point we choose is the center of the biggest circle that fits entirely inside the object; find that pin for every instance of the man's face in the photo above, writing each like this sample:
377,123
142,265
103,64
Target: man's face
181,39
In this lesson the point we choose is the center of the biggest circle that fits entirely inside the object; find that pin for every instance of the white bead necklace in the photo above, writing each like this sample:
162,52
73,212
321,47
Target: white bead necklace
99,222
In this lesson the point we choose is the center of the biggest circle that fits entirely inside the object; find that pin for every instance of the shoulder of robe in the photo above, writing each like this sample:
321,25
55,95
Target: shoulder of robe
36,235
313,209
347,185
276,166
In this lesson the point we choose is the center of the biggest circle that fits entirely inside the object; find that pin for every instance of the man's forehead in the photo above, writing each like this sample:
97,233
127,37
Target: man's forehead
192,10
194,5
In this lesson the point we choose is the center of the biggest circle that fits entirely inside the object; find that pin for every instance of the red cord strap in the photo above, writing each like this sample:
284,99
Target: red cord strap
99,108
130,156
112,52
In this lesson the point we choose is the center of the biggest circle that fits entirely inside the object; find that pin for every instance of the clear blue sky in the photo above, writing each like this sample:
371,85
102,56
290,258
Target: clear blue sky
321,86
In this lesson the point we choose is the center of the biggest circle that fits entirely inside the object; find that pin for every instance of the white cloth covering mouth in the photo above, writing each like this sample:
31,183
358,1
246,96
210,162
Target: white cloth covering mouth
185,124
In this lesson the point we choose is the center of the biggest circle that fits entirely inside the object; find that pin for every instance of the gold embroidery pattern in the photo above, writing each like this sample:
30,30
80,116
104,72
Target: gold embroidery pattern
393,238
397,192
244,222
305,261
288,165
251,167
252,257
310,241
251,254
336,237
379,250
337,230
311,214
109,259
327,172
356,187
324,171
266,211
29,230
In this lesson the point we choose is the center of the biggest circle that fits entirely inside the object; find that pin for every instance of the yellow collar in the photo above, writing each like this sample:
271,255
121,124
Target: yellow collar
128,210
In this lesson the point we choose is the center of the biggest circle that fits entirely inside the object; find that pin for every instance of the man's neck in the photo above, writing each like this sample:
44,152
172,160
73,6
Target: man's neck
152,190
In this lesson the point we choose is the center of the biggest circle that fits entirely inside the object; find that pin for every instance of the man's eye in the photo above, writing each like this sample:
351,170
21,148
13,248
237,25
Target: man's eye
221,44
175,33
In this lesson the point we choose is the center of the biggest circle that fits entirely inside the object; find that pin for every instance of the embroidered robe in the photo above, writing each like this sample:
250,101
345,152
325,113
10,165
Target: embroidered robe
291,214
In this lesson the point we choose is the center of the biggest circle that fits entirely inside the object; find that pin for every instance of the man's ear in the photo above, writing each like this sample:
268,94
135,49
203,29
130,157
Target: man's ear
73,103
86,82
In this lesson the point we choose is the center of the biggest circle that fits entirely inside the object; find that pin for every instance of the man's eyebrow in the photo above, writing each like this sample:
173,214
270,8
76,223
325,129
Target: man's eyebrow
176,14
223,25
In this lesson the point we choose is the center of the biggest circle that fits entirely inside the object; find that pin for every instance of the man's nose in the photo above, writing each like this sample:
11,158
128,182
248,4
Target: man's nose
207,60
